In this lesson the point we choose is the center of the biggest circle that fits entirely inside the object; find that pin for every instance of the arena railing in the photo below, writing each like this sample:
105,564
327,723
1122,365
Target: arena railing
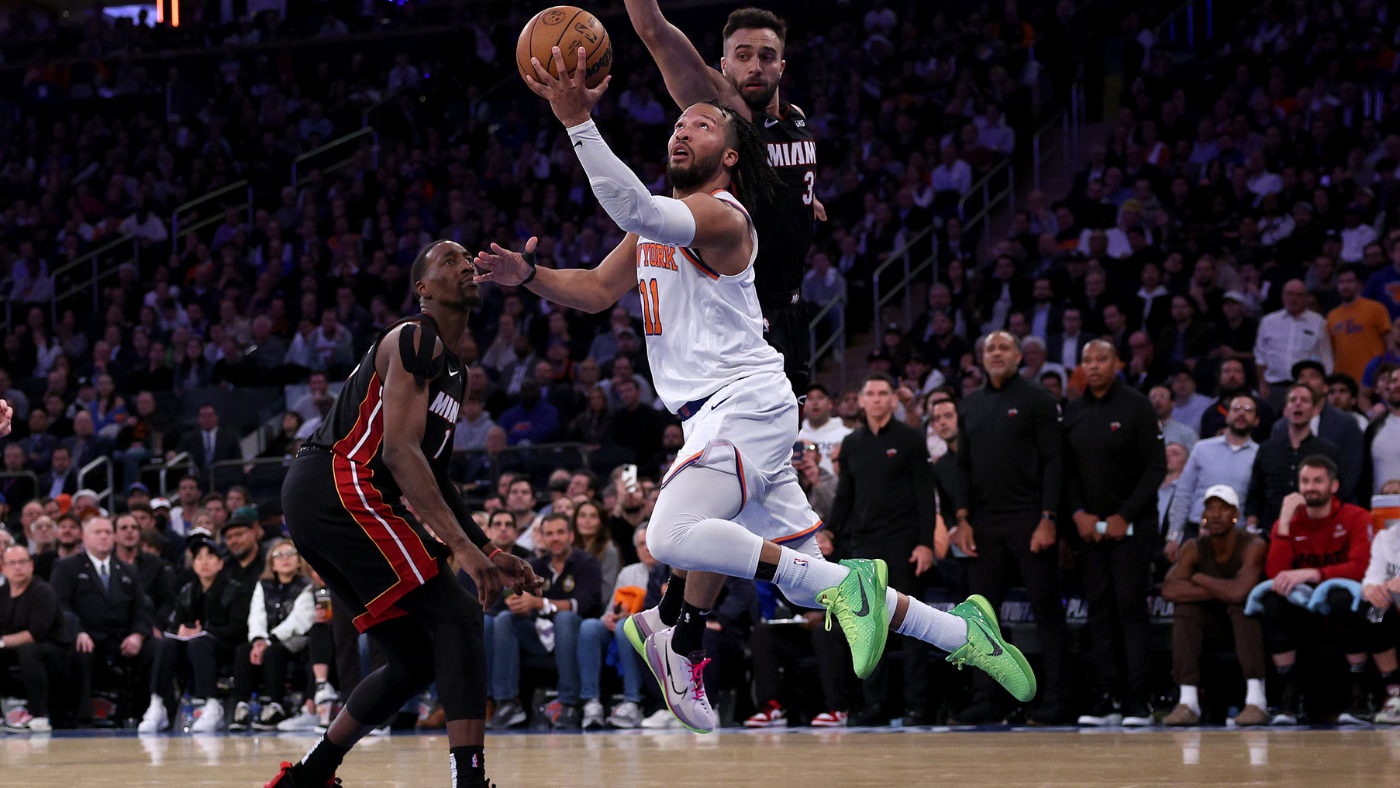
100,464
353,137
176,233
181,462
538,459
901,255
836,342
261,475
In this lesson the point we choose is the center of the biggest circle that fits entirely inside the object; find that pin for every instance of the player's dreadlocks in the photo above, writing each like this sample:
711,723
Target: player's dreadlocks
754,181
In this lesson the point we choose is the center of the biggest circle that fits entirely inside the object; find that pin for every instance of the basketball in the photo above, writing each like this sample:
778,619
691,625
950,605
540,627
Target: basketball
567,27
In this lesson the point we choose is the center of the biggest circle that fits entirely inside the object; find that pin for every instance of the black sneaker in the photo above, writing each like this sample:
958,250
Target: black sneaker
1359,711
569,719
1289,708
1137,713
508,715
1051,713
869,717
242,717
981,712
1106,712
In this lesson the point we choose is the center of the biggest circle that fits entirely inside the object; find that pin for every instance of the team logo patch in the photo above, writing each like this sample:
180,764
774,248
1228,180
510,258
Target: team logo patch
569,584
1115,426
1012,413
1341,530
891,452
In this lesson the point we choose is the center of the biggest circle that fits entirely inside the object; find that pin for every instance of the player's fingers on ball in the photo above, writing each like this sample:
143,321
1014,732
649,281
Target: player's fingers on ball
580,65
561,73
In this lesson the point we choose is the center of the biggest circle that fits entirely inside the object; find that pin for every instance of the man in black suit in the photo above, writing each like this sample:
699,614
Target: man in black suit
1065,347
209,444
61,477
114,614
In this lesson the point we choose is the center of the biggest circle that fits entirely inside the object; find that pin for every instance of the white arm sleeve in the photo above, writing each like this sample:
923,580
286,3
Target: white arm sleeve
622,194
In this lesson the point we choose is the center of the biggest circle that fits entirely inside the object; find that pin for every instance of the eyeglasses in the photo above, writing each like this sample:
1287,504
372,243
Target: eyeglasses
285,554
1242,408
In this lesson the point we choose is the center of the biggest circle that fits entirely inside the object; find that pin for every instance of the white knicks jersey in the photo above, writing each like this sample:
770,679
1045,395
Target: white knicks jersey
703,330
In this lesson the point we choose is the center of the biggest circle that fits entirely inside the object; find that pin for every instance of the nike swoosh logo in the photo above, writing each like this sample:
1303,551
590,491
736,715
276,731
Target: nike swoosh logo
452,373
578,144
864,603
671,679
996,647
770,123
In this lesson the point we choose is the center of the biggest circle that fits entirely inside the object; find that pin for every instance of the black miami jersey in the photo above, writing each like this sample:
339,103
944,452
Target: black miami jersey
785,225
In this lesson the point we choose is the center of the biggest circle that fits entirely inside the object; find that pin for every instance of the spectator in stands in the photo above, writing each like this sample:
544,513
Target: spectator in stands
1373,368
1343,394
636,426
1226,459
1013,504
627,598
210,620
1379,287
1316,538
818,427
572,593
533,420
157,576
1163,399
39,531
280,616
32,638
1330,424
1114,463
1381,450
817,484
68,542
61,478
246,558
1275,471
593,536
1358,326
1231,382
1065,346
1288,336
472,425
114,613
188,495
1208,587
209,443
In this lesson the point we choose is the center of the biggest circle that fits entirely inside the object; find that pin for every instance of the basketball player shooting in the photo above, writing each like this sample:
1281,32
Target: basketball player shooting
731,504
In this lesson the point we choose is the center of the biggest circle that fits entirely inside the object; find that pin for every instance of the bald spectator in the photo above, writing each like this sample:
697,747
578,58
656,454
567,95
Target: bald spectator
32,637
1288,336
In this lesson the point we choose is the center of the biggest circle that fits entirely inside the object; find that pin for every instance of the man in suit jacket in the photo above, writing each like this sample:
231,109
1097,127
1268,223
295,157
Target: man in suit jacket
61,478
113,611
84,445
1333,425
1071,339
208,444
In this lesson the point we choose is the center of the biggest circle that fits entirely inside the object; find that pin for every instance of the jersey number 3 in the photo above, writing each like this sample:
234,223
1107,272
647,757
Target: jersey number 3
811,180
651,308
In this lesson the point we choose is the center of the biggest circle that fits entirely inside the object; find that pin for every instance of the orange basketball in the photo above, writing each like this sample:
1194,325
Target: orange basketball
568,28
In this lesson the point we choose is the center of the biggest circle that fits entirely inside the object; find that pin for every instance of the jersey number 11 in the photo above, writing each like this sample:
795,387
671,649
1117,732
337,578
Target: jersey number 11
651,308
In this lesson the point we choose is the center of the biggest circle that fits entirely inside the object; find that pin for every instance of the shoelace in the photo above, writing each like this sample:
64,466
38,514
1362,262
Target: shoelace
697,677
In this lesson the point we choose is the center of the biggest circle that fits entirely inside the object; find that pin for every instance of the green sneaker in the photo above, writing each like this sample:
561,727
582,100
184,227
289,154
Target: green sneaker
859,604
988,650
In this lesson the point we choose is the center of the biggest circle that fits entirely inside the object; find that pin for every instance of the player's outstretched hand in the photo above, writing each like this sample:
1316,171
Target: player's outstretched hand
516,573
7,414
485,574
503,266
568,95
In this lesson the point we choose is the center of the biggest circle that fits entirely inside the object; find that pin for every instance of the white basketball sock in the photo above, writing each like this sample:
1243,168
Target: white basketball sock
1189,698
801,577
1254,693
929,624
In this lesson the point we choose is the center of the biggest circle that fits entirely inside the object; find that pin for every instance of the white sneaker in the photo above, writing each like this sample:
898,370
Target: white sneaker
304,721
325,693
155,719
640,626
771,716
661,719
626,715
682,683
592,714
382,730
1390,712
211,717
830,719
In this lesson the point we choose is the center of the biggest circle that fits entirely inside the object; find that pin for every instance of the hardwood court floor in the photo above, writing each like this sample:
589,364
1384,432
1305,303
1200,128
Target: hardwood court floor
797,759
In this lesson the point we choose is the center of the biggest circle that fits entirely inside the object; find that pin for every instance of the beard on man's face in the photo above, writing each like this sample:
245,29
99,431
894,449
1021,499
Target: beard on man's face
1316,497
696,173
757,98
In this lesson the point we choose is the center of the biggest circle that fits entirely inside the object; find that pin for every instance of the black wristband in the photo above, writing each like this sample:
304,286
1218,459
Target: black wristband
529,258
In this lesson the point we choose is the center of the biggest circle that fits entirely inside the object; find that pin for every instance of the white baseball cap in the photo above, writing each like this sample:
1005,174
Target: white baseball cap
1225,493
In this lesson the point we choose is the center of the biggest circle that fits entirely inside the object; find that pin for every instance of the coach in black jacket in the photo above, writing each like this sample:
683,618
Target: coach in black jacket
886,508
1009,476
113,611
1114,463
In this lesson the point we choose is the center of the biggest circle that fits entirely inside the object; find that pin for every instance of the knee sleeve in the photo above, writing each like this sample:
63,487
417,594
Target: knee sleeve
688,529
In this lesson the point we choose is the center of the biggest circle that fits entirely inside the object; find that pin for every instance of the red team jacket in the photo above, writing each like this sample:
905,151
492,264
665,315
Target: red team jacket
1339,544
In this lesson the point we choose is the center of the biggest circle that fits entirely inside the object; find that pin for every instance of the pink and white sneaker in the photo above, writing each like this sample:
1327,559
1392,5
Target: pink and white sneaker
830,719
682,681
771,716
640,626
